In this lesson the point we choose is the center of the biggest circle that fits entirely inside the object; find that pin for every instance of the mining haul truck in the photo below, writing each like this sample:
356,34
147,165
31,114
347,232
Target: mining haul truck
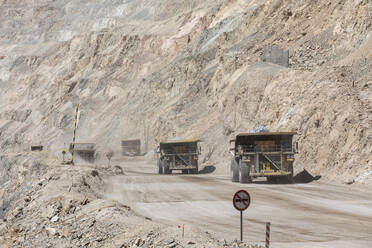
131,147
85,151
179,155
263,154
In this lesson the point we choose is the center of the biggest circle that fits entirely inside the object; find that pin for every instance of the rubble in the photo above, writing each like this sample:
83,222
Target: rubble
259,129
66,208
189,68
212,60
51,231
54,219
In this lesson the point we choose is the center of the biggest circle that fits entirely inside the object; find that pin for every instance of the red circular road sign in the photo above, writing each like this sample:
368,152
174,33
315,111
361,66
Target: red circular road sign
241,200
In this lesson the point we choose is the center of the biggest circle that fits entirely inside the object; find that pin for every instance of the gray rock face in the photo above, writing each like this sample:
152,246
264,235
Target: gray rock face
149,69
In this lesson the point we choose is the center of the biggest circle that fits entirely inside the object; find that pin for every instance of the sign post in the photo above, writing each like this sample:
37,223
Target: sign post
267,243
241,226
241,202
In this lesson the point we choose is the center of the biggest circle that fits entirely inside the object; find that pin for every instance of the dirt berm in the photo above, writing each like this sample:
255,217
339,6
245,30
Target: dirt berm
53,205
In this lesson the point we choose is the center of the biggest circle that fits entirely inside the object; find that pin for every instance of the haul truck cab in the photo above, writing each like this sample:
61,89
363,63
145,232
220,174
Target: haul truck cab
178,155
263,154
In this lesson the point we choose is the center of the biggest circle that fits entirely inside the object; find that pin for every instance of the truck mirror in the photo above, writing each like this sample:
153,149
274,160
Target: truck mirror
199,150
296,146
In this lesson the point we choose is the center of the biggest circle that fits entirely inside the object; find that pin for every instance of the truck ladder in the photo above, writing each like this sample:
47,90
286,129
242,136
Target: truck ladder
183,160
180,157
272,162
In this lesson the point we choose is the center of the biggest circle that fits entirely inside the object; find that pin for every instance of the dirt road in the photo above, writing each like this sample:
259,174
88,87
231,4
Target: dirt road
301,215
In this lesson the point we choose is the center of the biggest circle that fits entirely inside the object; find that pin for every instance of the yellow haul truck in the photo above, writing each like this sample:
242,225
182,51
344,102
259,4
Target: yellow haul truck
178,155
131,147
263,154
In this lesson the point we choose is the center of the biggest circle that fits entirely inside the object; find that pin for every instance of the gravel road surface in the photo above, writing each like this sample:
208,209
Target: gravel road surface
301,215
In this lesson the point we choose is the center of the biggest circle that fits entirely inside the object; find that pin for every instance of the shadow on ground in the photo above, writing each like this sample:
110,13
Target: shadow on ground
301,177
305,177
207,169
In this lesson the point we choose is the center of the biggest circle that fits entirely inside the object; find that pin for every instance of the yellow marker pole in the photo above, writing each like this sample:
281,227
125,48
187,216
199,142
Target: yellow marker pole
73,139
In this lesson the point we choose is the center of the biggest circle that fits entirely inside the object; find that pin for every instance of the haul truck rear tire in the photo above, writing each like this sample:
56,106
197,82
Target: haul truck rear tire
244,173
290,177
166,169
160,167
195,170
270,179
234,171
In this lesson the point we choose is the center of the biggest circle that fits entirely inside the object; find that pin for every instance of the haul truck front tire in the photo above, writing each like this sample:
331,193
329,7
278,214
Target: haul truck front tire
290,176
234,171
166,169
244,176
160,167
195,170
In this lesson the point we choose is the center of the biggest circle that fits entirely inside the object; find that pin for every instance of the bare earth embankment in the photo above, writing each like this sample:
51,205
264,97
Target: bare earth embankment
65,206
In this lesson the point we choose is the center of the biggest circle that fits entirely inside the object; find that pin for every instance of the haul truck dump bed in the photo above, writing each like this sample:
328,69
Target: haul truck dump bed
263,154
178,155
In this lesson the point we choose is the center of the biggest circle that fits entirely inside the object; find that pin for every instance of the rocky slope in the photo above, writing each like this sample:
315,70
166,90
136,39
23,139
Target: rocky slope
154,69
53,205
191,68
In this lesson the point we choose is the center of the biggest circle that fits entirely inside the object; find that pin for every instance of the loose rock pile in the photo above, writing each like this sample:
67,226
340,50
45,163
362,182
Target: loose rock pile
63,206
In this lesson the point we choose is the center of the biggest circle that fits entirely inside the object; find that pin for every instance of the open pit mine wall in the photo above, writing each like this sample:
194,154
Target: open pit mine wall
150,69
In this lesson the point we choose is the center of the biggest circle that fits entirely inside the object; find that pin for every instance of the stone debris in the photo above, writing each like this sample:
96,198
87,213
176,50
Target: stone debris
259,129
54,219
137,242
204,73
51,231
170,241
49,211
54,216
364,176
212,64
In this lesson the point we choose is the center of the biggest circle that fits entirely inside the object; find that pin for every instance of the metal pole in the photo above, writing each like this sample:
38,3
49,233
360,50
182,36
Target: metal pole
267,235
241,226
73,139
